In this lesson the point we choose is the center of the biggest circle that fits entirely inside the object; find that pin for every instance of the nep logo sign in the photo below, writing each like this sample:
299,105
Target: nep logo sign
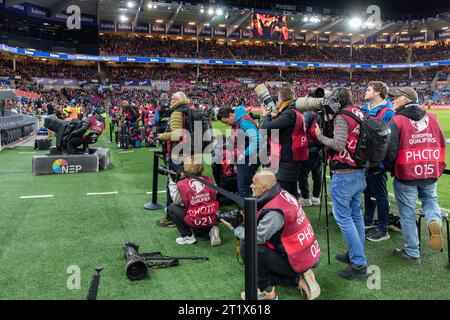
61,166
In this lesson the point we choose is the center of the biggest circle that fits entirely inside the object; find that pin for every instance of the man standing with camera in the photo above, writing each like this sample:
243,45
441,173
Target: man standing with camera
287,248
376,194
347,183
292,146
246,150
416,157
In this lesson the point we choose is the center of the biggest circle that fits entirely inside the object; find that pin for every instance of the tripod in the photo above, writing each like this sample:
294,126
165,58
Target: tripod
323,191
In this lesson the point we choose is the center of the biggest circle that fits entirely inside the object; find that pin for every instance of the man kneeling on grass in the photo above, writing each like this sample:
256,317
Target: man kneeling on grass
286,245
194,207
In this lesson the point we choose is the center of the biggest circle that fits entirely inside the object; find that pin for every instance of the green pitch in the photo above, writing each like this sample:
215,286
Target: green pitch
41,238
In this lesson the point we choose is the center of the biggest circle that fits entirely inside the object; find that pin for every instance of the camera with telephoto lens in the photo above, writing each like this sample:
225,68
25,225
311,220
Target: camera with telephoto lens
135,268
329,103
233,217
264,95
176,176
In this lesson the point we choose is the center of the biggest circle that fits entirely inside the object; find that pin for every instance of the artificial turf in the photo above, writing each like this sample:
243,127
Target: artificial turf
41,238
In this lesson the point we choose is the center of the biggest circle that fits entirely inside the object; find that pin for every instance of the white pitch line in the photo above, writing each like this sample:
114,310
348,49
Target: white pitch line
164,191
101,193
27,152
126,151
37,196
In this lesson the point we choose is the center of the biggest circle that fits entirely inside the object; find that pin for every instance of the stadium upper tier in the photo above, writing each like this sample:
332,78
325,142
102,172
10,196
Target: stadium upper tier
148,50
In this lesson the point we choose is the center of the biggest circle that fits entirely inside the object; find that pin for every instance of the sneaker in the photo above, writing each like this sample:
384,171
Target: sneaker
186,240
307,283
369,225
378,235
165,223
214,236
436,242
305,202
401,253
315,201
263,295
353,272
343,257
394,223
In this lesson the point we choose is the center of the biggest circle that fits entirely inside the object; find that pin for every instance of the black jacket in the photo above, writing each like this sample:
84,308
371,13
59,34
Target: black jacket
284,122
414,112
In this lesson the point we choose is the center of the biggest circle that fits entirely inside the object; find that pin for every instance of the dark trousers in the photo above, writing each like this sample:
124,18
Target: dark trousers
176,214
245,174
273,268
314,166
74,143
377,189
289,186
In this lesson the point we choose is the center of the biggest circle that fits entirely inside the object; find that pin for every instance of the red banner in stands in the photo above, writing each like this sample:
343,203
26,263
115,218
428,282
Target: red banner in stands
31,95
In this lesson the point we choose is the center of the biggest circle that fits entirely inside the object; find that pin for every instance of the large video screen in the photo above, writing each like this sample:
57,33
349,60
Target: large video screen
269,27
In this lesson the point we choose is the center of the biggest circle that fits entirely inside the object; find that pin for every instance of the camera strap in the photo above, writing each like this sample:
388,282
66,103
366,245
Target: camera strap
234,197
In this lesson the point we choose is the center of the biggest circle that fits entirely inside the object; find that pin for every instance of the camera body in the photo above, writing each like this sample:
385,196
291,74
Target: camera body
233,217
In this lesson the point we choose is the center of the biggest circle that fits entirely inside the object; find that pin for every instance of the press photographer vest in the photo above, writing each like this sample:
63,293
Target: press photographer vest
421,153
199,203
94,130
344,159
299,144
297,236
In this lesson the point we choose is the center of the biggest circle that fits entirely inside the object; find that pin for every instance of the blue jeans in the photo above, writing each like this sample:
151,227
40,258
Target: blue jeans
245,175
377,188
346,190
406,197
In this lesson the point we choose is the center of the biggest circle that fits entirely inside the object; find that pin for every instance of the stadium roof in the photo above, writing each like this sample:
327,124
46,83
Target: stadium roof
236,14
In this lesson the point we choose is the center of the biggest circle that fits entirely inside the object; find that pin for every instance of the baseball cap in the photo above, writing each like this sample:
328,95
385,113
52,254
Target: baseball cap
407,92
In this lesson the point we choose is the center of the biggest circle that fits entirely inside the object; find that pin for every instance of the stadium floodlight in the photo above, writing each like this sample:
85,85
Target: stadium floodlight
202,10
210,11
130,4
219,12
444,28
123,18
150,5
355,23
305,19
314,19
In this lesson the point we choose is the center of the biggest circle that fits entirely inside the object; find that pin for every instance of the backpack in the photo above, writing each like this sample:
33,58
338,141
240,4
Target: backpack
191,118
373,140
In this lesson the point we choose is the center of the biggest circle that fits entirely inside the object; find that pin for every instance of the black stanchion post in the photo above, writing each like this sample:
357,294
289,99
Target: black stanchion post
154,205
250,249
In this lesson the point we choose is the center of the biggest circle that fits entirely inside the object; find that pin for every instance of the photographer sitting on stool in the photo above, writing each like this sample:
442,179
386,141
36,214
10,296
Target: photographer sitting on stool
286,245
193,210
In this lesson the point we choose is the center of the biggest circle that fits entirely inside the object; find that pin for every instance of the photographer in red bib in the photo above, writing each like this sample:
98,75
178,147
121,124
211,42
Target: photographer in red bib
416,158
286,245
193,210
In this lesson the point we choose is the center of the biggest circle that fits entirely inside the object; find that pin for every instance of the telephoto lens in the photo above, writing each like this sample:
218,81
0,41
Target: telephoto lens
135,268
263,94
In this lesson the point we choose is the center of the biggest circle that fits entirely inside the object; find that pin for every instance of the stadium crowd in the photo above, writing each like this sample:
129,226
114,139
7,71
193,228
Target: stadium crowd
165,47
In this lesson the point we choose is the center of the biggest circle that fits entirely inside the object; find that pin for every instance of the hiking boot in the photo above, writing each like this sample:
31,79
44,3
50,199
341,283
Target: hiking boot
263,295
353,272
315,201
377,235
436,242
307,283
343,257
214,236
165,223
186,240
401,253
305,202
